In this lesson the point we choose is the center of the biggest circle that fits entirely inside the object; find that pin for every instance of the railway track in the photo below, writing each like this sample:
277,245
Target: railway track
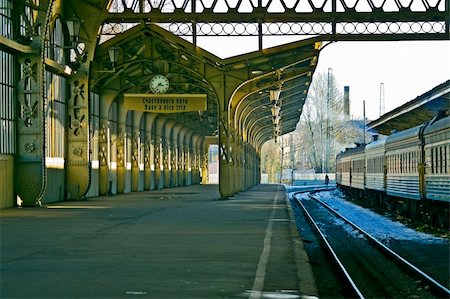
368,268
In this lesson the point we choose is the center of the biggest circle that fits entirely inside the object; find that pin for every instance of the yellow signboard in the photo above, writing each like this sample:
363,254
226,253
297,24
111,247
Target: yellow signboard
165,103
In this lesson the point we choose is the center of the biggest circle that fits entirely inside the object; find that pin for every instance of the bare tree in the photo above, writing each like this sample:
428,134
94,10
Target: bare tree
323,131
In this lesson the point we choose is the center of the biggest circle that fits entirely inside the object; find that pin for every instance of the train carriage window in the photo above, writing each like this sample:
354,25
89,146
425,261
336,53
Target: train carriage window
409,162
441,162
436,160
406,163
389,166
403,163
446,159
432,160
394,163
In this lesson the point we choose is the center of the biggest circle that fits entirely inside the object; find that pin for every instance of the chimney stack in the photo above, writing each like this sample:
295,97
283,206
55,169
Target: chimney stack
347,102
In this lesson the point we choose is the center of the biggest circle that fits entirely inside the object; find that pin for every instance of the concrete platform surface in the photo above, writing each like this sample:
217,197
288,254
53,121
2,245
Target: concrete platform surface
175,243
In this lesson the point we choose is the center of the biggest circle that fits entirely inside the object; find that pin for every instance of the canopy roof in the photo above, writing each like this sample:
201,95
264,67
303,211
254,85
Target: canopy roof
147,50
415,112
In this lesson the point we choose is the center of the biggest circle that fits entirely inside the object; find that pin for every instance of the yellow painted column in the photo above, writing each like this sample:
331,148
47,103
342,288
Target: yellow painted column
149,167
7,198
226,162
193,160
168,175
181,157
77,159
106,100
175,154
121,150
188,157
136,142
204,157
29,157
159,152
245,166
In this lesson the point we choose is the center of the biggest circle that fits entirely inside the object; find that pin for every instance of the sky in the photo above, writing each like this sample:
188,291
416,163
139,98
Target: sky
406,68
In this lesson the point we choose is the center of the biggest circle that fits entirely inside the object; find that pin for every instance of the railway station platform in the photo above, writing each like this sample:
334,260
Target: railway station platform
174,243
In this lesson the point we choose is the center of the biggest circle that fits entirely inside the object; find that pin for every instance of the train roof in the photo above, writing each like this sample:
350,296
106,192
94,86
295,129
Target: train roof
351,151
404,135
376,144
441,124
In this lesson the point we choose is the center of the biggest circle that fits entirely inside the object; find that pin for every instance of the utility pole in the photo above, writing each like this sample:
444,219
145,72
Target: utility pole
327,122
381,112
282,158
364,126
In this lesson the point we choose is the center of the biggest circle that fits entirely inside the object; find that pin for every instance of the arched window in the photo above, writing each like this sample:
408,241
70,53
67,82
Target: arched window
128,146
55,94
57,43
95,128
112,135
7,115
27,22
6,26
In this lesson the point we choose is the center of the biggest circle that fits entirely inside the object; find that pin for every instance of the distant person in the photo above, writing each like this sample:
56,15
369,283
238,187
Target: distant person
327,180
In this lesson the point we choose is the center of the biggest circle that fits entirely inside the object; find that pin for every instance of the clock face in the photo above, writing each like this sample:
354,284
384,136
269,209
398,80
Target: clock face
159,84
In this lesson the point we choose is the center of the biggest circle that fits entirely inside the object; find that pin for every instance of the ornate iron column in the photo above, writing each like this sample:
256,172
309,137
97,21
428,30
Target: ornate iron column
31,126
30,132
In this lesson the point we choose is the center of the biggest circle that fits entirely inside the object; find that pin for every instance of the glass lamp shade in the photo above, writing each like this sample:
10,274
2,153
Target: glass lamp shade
113,53
276,120
274,94
275,110
73,25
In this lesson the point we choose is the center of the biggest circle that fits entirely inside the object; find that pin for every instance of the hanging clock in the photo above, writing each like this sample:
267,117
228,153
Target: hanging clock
159,84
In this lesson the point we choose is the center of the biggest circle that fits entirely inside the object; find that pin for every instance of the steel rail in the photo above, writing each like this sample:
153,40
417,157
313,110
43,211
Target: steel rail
330,250
440,289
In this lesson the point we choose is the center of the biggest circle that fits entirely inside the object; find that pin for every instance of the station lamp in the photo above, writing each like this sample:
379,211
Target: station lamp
274,95
78,54
73,26
276,120
113,53
275,111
